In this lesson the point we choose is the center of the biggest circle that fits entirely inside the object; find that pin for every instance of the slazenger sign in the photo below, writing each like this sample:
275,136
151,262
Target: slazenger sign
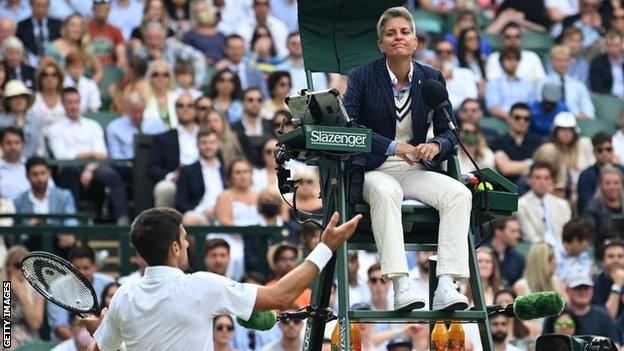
343,139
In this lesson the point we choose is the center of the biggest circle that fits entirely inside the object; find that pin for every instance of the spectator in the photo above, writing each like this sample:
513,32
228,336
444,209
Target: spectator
126,15
75,137
120,132
279,83
39,29
26,305
617,20
283,257
153,11
608,284
513,151
228,140
8,28
217,256
293,63
476,146
309,235
13,180
134,81
461,83
286,11
539,273
528,15
79,340
48,105
558,10
171,150
235,61
574,92
184,76
204,35
76,65
203,104
420,275
107,41
499,326
271,207
574,257
263,53
503,91
200,183
578,69
422,54
594,320
529,66
588,179
378,288
225,89
262,17
542,215
358,290
567,323
179,12
543,112
161,98
291,334
108,292
605,70
520,333
17,102
589,22
157,46
469,53
14,59
282,117
308,191
252,129
223,332
466,19
83,258
470,111
266,176
511,262
16,10
604,212
490,274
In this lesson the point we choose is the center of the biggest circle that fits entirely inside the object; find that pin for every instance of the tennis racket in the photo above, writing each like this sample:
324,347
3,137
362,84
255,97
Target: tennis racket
59,282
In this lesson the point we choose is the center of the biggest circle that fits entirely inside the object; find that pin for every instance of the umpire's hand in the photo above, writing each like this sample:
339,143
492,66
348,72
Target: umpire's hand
334,236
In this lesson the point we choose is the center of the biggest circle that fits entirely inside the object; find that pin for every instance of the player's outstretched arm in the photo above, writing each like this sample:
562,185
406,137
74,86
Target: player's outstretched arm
287,289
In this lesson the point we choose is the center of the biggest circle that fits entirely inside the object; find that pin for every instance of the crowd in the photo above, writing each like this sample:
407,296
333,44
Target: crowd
207,80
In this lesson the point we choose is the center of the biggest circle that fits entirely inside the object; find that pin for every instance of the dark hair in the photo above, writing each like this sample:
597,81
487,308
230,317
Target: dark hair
600,138
578,229
466,101
217,77
500,224
82,251
570,31
11,130
153,232
280,250
255,36
183,67
236,160
292,34
462,51
286,113
137,66
215,243
511,25
549,323
233,37
69,90
205,132
521,106
608,244
509,53
249,90
105,291
36,161
375,267
541,165
275,77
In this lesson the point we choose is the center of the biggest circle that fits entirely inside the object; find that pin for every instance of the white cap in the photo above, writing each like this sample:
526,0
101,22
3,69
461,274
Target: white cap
565,120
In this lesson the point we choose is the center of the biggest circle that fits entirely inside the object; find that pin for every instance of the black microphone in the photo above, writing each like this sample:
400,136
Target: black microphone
436,98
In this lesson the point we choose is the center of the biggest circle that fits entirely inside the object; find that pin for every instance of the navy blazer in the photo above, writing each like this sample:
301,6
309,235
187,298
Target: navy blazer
26,32
191,188
370,102
164,155
600,77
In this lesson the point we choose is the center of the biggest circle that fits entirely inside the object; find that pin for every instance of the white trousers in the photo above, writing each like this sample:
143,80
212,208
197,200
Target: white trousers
387,186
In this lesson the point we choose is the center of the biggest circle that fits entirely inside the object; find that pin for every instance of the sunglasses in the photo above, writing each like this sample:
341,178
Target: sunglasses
375,280
224,327
522,118
564,324
253,100
184,106
603,149
293,321
160,74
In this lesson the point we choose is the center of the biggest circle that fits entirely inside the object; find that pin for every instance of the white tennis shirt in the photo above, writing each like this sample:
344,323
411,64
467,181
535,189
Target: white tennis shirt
169,310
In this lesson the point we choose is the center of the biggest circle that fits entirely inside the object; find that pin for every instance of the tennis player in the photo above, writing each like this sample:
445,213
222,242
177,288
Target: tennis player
167,309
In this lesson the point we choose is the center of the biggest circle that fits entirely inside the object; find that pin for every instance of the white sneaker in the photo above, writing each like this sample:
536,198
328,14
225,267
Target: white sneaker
447,298
405,298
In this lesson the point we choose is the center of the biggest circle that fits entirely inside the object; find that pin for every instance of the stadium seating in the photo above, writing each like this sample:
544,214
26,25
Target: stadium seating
608,107
497,124
103,118
112,75
429,22
37,346
590,127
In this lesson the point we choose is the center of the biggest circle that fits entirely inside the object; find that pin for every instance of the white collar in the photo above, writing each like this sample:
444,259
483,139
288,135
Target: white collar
181,130
394,80
205,164
162,271
34,199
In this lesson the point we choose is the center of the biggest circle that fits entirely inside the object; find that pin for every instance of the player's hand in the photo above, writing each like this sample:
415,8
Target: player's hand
334,236
91,323
404,150
427,151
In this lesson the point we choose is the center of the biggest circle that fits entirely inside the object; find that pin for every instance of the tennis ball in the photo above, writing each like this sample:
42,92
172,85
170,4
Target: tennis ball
487,184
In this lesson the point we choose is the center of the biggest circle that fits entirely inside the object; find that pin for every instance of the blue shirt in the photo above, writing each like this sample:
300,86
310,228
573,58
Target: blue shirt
505,91
578,69
541,122
577,96
120,135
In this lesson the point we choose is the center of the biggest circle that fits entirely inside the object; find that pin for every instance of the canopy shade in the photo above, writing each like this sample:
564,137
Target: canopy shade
339,35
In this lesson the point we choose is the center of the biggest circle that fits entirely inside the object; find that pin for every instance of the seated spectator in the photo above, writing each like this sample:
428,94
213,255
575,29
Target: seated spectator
161,99
513,151
279,87
75,137
574,92
108,292
15,10
8,28
203,104
590,22
520,333
461,83
79,340
507,89
235,61
282,117
422,54
14,61
204,35
17,102
511,262
603,69
83,258
608,284
217,256
263,50
529,64
183,73
617,20
271,208
120,132
225,89
31,31
262,17
605,211
172,149
476,146
378,288
574,258
107,41
76,65
308,191
252,129
578,68
27,306
469,54
594,320
541,214
48,105
283,257
528,15
293,63
126,15
470,111
567,323
228,141
464,20
490,274
267,175
543,112
499,327
223,332
200,183
179,14
13,180
134,81
153,11
588,179
309,235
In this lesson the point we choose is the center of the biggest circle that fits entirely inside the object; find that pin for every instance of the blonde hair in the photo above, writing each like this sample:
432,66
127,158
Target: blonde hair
85,41
15,254
560,50
160,63
228,142
536,270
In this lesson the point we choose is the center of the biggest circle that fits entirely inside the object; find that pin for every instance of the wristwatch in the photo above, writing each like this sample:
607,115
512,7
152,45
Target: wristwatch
616,289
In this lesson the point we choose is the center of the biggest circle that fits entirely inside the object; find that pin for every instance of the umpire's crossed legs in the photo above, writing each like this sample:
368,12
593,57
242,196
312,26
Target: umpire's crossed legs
384,189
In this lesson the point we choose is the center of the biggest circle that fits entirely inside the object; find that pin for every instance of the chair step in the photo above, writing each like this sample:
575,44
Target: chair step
416,316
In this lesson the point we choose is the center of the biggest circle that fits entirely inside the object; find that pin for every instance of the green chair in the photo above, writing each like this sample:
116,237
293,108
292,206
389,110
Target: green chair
608,107
498,125
590,127
430,22
493,40
112,75
538,42
103,118
37,346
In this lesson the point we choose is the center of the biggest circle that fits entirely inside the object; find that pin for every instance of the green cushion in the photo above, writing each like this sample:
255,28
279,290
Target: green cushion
37,346
590,127
112,75
497,124
429,22
608,107
103,118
